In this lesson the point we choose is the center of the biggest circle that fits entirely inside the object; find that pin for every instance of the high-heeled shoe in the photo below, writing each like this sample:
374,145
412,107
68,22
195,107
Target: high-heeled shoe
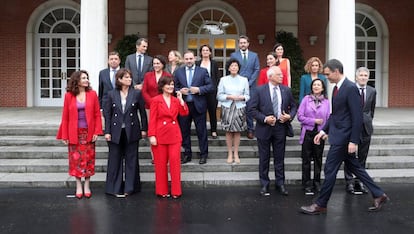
176,196
214,135
237,160
79,195
88,195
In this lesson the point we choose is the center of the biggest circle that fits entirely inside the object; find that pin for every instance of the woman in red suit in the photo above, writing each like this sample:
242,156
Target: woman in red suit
150,86
271,60
165,137
81,124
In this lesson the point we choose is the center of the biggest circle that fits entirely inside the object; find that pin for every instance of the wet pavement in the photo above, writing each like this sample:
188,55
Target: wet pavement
201,210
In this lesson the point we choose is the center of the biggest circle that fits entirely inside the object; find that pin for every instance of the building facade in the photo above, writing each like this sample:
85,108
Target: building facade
42,39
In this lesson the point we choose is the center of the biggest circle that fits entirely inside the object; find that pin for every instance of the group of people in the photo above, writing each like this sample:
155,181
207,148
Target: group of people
174,93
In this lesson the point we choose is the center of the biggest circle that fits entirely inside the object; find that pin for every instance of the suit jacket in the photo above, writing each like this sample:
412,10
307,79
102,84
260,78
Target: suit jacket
131,64
249,70
68,129
368,110
200,79
114,116
214,73
260,106
105,84
150,87
345,122
163,120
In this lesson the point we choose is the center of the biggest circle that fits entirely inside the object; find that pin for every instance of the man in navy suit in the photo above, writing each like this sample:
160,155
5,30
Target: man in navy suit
194,83
107,76
139,63
273,107
344,130
368,99
250,67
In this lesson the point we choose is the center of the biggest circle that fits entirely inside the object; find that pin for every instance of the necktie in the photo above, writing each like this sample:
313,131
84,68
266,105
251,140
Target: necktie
113,77
275,102
362,96
139,63
189,81
335,91
244,58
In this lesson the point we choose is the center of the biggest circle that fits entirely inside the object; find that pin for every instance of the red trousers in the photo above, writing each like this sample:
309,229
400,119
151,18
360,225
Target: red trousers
164,154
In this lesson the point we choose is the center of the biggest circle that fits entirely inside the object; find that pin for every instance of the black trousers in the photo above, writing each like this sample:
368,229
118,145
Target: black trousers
118,153
311,151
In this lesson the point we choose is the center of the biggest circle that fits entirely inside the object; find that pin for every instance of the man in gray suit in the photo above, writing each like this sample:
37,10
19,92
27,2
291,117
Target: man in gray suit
368,101
139,63
250,67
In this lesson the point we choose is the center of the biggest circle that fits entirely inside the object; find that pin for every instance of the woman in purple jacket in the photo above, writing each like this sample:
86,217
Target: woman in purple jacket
313,114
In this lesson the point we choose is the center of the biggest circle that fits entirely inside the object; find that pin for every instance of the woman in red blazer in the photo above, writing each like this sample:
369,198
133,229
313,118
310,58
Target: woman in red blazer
79,129
165,137
150,86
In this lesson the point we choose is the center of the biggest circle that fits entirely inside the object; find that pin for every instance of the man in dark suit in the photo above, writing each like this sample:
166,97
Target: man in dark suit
344,130
107,76
139,63
368,100
273,107
250,67
194,83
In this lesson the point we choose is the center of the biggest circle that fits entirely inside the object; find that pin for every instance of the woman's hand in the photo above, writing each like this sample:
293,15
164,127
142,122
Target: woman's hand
94,138
65,142
108,137
153,140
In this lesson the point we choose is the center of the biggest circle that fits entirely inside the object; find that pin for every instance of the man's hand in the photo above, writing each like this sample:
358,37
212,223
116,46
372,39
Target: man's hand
138,86
352,148
320,136
284,117
270,119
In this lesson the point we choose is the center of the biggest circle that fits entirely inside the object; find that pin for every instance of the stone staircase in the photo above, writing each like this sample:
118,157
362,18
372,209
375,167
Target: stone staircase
31,157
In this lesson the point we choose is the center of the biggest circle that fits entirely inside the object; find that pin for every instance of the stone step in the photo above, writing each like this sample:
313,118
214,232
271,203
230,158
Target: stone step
56,152
213,165
33,140
191,179
52,130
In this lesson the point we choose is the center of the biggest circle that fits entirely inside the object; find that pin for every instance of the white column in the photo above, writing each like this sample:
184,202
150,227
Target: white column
342,34
94,38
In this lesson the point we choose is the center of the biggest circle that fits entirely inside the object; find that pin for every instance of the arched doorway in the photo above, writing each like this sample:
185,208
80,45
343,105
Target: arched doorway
216,24
57,54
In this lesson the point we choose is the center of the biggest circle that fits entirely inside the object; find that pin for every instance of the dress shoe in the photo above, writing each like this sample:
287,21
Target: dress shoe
309,191
313,209
203,160
185,159
350,188
282,190
379,202
79,195
88,195
250,135
264,191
